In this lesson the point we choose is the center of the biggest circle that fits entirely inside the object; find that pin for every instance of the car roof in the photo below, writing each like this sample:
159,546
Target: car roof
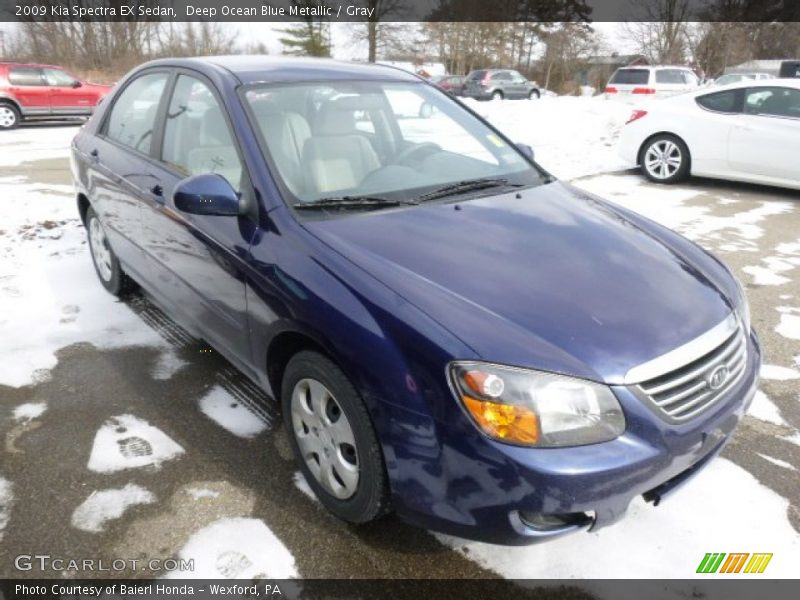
791,82
259,68
29,65
653,67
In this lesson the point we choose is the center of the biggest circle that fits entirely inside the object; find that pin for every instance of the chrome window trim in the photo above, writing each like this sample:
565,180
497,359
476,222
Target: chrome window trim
683,355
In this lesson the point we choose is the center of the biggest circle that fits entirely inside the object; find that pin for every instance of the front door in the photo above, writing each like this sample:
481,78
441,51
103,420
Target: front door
67,95
197,262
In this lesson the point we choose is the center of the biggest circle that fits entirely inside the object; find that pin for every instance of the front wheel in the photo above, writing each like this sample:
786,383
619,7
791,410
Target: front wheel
9,116
333,439
665,159
534,95
497,95
106,263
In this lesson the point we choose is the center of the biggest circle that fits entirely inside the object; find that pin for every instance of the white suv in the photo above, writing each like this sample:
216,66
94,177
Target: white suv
651,81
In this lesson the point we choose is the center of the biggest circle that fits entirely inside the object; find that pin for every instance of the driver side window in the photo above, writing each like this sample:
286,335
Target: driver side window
197,139
133,115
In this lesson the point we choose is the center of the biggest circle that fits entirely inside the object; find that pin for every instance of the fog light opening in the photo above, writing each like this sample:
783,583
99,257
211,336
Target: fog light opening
549,525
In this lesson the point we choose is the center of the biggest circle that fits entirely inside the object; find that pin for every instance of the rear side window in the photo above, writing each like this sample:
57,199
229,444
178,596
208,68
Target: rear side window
25,76
670,76
133,116
502,76
631,77
57,77
773,101
476,75
729,101
197,139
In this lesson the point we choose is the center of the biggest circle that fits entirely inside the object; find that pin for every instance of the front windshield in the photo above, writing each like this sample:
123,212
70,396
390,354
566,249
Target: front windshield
397,141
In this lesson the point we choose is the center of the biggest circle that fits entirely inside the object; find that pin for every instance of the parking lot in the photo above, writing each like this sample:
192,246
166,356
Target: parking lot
123,438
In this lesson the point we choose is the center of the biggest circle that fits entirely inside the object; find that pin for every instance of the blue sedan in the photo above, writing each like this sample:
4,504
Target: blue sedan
453,334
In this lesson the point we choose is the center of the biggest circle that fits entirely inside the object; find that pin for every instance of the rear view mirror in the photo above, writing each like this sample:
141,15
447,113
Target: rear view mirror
209,194
526,150
76,84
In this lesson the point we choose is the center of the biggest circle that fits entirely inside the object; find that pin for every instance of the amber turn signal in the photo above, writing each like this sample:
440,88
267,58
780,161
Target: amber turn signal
506,422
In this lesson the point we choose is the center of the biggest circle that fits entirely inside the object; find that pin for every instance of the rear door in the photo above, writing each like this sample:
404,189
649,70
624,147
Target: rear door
121,172
28,86
766,139
68,96
518,84
198,262
669,82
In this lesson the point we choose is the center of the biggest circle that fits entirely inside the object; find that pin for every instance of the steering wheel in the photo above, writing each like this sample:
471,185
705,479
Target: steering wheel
416,149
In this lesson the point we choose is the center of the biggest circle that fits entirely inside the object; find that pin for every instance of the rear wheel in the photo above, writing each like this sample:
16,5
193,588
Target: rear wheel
497,95
9,116
106,263
665,159
534,95
333,439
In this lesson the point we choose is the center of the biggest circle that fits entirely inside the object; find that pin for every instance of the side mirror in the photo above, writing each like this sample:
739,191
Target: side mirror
76,84
209,194
526,150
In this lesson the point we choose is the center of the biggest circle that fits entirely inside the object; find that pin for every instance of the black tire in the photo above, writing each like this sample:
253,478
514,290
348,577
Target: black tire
9,116
371,498
670,148
497,95
534,95
112,276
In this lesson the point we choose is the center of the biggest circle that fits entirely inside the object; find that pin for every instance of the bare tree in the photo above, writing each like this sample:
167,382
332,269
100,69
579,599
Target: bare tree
658,29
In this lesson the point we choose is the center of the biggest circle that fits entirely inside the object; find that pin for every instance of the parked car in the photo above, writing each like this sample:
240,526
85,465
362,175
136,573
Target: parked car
651,81
453,334
452,84
743,132
497,84
729,78
30,91
790,68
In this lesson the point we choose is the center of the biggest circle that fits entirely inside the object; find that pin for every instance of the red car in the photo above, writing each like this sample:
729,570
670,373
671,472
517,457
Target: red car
30,91
452,84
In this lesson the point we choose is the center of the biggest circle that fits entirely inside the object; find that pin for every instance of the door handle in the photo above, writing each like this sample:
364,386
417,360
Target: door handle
158,193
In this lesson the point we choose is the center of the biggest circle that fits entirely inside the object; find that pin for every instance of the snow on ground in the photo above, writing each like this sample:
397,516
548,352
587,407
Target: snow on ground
29,411
238,548
35,143
221,406
127,442
6,499
570,136
778,373
167,365
789,326
50,296
698,519
763,408
668,206
302,485
106,505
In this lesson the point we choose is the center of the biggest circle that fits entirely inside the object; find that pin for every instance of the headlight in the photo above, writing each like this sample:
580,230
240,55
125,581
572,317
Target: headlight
743,306
532,408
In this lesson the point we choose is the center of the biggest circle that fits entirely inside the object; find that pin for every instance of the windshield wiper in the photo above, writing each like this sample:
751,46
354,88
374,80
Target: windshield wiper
352,202
470,185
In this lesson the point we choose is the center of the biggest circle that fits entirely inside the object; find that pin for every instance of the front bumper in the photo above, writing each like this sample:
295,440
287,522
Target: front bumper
473,487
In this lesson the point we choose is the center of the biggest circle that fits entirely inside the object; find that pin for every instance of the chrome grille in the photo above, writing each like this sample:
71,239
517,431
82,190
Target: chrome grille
692,388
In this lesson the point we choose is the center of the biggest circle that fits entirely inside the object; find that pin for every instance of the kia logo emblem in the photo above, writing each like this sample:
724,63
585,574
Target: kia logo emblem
718,377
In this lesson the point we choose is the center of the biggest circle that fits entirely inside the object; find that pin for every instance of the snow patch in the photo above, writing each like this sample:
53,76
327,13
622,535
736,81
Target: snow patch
107,505
778,373
29,411
763,408
198,493
221,406
168,364
764,276
664,542
302,485
127,442
777,461
238,548
789,326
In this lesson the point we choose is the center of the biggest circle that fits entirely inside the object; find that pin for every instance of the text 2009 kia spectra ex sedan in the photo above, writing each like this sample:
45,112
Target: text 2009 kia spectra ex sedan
453,334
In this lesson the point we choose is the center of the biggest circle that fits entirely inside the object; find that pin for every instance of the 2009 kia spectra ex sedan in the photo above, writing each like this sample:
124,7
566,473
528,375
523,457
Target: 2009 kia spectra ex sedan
452,333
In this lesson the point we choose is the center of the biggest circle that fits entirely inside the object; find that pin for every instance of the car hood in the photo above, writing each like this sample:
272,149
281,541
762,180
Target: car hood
550,278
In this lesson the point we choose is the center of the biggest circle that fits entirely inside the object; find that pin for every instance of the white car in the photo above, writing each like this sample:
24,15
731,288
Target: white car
740,77
743,132
659,81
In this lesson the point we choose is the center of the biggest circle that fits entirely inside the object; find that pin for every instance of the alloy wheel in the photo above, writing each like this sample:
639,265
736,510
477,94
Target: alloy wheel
101,252
325,438
8,118
663,159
